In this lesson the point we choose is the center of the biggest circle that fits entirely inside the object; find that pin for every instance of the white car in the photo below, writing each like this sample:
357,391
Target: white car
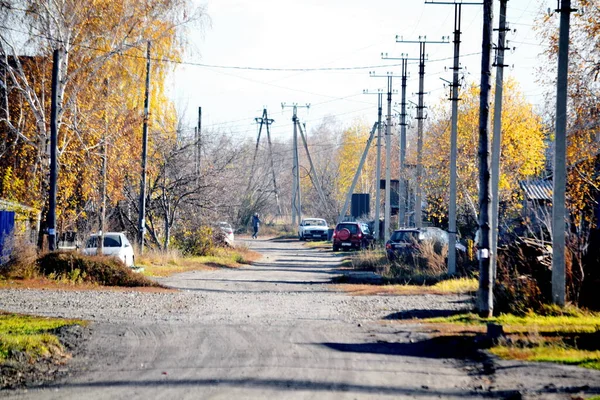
227,230
115,244
313,228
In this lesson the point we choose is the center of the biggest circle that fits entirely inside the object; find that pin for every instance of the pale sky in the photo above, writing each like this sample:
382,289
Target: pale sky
332,33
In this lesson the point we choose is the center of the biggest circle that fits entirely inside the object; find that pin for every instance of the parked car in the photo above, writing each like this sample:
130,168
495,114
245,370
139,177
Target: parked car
406,241
313,228
115,244
227,230
354,235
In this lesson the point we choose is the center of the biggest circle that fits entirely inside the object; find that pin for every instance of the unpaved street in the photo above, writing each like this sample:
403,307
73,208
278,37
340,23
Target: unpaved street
277,329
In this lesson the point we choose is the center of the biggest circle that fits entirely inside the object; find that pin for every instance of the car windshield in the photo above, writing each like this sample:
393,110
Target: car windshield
314,222
109,241
365,229
405,236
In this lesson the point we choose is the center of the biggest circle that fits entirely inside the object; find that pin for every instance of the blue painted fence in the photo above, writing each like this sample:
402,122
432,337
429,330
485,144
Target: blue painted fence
7,227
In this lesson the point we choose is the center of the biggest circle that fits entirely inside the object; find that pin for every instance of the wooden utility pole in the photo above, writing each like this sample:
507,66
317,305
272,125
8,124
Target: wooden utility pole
53,151
560,174
486,276
142,206
100,248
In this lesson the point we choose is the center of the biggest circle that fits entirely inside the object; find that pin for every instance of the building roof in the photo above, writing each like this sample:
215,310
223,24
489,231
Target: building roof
537,189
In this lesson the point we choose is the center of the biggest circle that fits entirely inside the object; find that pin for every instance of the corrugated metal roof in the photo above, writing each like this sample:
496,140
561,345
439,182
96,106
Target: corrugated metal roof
537,189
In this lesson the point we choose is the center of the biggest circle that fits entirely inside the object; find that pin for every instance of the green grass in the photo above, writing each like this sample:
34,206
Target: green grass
570,338
551,353
582,323
31,335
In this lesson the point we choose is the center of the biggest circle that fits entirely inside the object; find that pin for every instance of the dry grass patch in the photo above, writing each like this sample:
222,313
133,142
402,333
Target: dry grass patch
166,264
450,286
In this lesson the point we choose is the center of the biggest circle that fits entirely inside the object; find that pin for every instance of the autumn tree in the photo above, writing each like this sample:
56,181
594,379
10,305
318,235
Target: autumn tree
97,41
523,153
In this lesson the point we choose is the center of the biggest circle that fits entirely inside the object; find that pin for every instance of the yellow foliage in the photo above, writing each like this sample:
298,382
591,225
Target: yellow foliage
523,149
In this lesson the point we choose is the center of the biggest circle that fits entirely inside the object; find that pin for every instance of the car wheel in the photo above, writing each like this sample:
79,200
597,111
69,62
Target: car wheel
301,238
335,248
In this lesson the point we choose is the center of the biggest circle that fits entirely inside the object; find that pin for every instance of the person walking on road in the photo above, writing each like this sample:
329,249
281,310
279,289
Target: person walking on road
255,225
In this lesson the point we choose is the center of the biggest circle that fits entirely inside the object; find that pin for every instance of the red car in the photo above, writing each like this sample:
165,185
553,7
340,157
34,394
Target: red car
352,235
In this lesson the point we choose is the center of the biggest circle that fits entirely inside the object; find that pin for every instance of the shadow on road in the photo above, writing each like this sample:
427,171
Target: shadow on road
422,314
457,347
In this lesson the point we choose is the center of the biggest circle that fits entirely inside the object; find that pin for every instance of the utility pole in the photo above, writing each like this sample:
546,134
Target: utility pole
486,278
402,156
199,142
313,172
455,85
379,94
388,153
267,122
497,138
402,172
296,191
357,173
53,151
560,172
104,177
142,207
420,117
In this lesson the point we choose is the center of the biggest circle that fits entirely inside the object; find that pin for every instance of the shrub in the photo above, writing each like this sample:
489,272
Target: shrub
524,278
428,264
195,242
102,270
22,261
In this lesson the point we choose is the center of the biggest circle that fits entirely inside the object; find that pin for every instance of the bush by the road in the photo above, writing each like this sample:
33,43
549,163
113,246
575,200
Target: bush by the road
101,270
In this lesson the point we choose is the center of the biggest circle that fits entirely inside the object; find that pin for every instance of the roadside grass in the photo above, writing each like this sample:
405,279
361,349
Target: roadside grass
450,286
31,335
160,264
572,337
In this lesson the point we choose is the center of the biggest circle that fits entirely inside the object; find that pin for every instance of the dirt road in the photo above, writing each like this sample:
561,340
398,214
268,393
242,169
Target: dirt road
277,329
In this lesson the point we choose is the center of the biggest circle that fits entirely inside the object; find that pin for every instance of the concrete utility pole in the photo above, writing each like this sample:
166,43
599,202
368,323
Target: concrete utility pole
296,192
357,174
388,153
455,85
142,207
402,151
486,278
560,172
497,139
267,122
379,94
420,117
313,171
53,151
402,172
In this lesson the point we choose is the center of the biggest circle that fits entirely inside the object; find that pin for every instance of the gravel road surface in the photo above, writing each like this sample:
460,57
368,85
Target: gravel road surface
277,329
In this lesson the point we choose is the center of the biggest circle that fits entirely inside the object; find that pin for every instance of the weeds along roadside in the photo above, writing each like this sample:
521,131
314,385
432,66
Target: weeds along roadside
31,349
547,333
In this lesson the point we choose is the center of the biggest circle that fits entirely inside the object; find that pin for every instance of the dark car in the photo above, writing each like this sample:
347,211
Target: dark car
352,235
406,242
